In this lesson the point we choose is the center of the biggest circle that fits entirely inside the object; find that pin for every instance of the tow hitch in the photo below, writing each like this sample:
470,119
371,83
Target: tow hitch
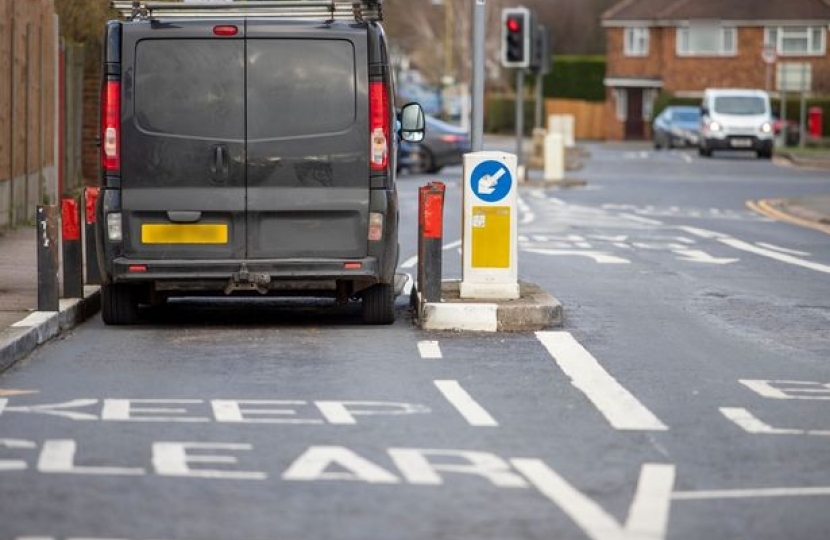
248,281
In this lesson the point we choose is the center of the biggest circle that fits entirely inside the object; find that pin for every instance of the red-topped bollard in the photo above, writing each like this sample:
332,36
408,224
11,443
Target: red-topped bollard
430,240
73,268
93,271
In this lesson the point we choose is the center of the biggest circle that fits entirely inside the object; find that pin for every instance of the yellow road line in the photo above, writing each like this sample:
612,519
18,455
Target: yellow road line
766,207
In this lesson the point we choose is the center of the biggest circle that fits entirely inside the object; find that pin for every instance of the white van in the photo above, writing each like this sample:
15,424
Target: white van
736,119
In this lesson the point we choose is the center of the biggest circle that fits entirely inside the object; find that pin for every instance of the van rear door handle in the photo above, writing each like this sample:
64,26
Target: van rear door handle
220,166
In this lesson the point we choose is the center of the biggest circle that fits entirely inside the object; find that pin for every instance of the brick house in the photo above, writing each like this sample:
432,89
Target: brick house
685,46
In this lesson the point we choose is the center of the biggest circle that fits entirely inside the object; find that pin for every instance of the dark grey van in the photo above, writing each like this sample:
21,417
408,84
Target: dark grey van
249,148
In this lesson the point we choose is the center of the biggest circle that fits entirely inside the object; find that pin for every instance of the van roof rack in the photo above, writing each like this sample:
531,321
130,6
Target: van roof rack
329,10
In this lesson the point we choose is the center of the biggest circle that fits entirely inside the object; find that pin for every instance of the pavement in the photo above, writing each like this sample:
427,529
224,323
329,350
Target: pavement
23,328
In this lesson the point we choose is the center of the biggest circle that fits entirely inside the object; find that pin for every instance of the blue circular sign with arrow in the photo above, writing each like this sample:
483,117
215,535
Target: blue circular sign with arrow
491,181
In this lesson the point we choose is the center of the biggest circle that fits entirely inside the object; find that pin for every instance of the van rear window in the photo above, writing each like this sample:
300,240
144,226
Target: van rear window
191,87
746,105
300,87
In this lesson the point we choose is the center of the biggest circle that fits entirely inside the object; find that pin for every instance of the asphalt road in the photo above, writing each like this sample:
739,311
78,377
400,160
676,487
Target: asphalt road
686,397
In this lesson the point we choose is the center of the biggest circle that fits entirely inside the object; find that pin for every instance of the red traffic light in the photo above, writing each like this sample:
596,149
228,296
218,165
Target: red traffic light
514,24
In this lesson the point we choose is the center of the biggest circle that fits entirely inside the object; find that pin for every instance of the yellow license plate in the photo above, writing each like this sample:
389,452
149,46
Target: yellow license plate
181,233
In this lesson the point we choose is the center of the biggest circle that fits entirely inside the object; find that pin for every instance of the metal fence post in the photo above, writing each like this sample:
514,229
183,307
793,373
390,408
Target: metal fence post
47,258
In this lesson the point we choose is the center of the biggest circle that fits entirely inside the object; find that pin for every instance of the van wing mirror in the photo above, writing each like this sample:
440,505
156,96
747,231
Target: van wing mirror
413,124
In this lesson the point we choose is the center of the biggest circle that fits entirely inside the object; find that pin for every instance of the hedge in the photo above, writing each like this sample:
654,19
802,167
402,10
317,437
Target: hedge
576,77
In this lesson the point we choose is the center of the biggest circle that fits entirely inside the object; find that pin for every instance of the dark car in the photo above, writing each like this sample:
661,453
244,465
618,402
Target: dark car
249,150
677,126
443,145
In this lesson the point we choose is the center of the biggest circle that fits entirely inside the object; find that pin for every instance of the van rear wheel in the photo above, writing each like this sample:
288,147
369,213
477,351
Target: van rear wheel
378,304
119,304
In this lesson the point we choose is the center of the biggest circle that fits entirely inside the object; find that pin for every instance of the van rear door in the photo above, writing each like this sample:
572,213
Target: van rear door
308,140
183,135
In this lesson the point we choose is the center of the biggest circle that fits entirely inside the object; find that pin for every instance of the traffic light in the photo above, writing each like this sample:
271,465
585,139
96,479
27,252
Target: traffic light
516,32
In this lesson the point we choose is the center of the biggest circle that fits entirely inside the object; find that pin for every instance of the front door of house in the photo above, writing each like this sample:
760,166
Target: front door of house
634,125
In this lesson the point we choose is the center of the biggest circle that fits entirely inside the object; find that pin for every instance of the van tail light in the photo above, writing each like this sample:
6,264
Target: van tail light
375,226
111,127
378,126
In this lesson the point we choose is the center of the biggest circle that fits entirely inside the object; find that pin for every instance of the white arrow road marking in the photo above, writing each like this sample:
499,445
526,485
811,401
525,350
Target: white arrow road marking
648,516
622,410
464,403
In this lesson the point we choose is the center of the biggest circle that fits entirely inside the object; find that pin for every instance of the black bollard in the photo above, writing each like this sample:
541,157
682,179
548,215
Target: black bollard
73,265
93,271
430,240
48,289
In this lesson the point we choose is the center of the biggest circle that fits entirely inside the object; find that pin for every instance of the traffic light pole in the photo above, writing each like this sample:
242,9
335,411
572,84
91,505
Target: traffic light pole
520,114
477,120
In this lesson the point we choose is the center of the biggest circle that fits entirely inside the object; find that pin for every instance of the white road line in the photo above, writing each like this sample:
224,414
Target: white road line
430,350
648,515
752,424
784,250
714,494
639,219
464,403
410,262
789,259
622,410
746,246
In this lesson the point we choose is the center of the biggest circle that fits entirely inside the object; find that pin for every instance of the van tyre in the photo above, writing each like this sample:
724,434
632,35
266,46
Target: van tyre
379,304
119,304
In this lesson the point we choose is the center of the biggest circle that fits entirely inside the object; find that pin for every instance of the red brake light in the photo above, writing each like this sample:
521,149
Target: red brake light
378,126
225,30
111,127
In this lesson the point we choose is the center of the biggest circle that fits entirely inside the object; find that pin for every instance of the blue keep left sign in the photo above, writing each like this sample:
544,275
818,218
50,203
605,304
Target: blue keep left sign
491,181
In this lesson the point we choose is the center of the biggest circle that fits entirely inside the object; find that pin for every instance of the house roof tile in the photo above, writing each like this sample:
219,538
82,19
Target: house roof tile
734,10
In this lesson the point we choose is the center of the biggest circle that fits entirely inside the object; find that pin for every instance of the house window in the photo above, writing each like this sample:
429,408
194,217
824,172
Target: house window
636,42
797,40
707,40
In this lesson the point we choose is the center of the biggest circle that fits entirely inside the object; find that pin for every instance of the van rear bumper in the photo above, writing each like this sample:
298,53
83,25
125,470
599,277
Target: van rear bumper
213,274
737,142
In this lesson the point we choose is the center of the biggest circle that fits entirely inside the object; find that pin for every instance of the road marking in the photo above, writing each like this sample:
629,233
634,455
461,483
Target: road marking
58,456
648,516
767,208
622,410
598,256
784,250
412,261
808,390
746,246
464,403
639,219
713,494
754,425
698,256
524,209
782,257
430,350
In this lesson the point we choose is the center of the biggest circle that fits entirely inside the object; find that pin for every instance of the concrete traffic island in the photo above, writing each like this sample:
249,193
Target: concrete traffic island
534,310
